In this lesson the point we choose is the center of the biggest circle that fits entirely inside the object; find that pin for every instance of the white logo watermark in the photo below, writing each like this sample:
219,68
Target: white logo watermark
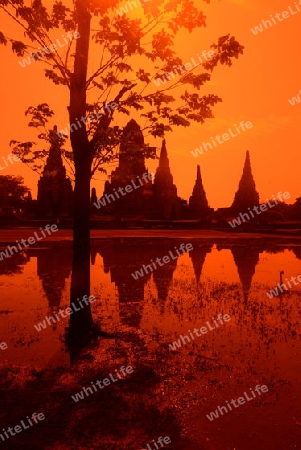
240,400
203,330
221,139
263,207
31,240
47,50
88,390
10,157
285,15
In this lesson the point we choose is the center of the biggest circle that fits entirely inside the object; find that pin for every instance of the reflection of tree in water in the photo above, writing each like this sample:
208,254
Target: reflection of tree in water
14,264
53,269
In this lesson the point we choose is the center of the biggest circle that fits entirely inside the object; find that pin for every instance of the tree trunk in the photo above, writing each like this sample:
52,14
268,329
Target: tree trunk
80,321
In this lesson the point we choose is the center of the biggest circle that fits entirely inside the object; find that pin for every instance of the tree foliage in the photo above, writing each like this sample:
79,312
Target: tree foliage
130,54
12,193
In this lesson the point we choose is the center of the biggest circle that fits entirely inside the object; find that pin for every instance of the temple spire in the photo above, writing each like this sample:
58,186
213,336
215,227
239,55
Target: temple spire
166,202
131,157
247,180
163,173
55,194
163,160
54,160
131,168
198,204
246,195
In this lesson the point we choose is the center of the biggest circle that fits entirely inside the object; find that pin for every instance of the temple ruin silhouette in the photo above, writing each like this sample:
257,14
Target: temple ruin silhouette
156,199
151,199
246,195
198,203
55,194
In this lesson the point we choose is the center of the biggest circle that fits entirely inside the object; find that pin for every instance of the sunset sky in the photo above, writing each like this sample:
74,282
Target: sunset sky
256,88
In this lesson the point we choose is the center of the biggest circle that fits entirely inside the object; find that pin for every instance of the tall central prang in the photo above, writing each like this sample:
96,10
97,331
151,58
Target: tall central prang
55,194
131,166
246,195
166,202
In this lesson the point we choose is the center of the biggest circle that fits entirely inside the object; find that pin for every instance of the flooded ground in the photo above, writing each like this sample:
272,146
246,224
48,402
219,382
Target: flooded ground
170,392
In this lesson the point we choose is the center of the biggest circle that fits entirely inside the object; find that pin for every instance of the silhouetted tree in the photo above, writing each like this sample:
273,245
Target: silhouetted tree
121,79
12,195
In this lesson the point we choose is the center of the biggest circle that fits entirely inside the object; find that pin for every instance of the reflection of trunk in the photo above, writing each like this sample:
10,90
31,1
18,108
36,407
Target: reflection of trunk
81,321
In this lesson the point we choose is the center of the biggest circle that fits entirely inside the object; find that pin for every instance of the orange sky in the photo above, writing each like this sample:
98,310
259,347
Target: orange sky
256,89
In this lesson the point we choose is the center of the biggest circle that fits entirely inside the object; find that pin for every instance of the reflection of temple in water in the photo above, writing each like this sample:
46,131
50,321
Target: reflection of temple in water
163,278
120,260
123,259
198,256
246,258
14,264
53,269
163,275
297,252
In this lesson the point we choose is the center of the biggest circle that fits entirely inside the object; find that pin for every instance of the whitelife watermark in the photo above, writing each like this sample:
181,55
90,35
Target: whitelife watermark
295,100
274,292
10,157
3,345
128,188
31,241
90,118
35,417
160,441
221,139
187,67
124,9
86,391
263,207
48,50
285,15
70,310
221,318
241,401
165,259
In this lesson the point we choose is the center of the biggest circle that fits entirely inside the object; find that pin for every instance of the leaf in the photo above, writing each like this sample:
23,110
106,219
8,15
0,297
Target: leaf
143,76
178,120
39,115
54,77
124,67
2,39
196,80
18,48
59,12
